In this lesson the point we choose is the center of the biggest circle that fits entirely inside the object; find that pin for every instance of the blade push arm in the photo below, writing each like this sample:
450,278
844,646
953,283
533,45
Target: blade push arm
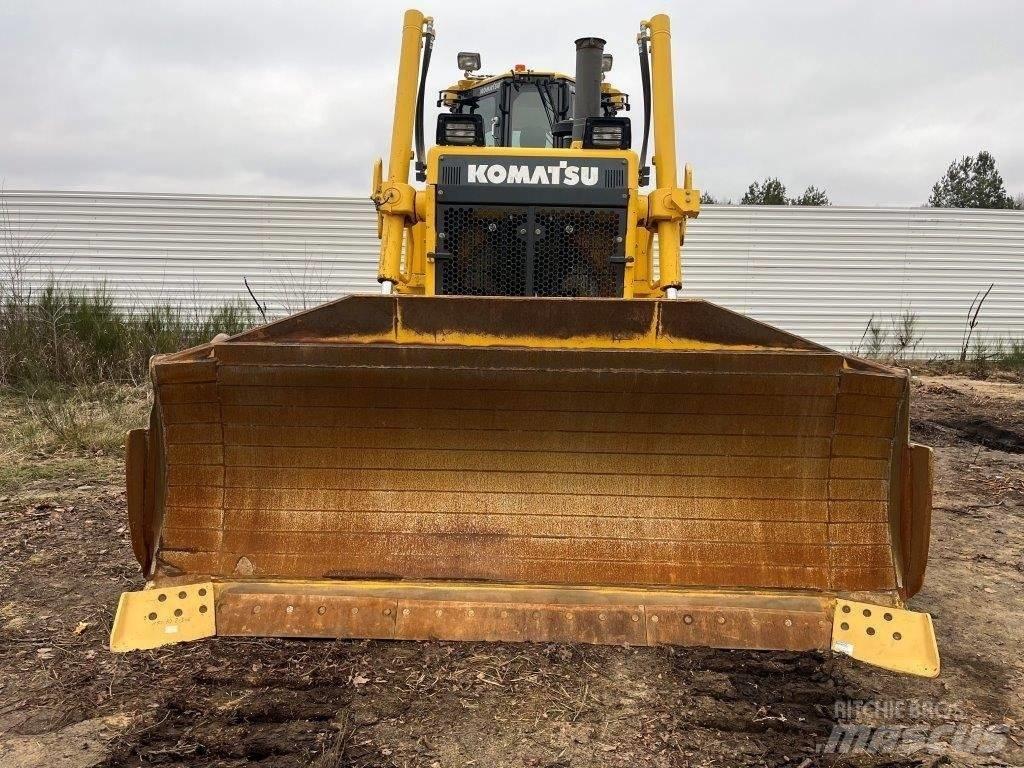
395,198
667,206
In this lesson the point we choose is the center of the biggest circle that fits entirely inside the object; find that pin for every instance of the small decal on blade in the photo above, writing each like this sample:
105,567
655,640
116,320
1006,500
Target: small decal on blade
843,647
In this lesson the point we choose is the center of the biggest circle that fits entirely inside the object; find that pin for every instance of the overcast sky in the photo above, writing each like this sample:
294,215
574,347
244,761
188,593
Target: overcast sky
869,100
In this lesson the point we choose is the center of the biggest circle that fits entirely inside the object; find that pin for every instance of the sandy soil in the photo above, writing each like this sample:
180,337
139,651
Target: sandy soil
65,701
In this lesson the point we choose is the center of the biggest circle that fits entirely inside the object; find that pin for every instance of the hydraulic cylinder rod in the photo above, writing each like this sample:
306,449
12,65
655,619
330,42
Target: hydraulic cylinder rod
665,145
393,226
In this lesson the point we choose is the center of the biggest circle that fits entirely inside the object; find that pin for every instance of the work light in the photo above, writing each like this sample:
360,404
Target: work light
606,62
607,133
469,61
460,130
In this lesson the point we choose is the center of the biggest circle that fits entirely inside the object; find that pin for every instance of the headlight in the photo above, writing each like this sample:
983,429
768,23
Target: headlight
607,133
460,130
469,61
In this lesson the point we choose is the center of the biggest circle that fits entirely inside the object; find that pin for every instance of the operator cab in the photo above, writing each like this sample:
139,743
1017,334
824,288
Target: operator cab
521,209
520,108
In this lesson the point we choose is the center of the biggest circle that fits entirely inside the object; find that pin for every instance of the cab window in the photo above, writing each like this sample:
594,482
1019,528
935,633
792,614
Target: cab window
487,107
529,120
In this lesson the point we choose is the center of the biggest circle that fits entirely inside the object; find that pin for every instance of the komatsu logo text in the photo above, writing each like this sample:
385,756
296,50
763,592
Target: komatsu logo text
562,173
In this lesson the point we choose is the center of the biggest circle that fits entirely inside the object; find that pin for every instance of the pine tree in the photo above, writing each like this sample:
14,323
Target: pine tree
706,198
771,192
971,182
811,196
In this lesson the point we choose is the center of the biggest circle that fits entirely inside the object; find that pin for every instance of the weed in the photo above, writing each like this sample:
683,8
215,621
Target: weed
896,341
999,355
906,335
872,341
1013,356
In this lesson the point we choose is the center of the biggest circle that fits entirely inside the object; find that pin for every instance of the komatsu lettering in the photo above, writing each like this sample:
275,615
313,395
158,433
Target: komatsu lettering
562,173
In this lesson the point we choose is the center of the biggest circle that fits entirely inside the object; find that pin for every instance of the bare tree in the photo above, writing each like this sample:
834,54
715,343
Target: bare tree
19,246
305,284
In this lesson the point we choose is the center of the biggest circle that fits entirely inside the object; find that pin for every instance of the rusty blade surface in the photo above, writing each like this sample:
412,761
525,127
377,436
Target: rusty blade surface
574,442
468,611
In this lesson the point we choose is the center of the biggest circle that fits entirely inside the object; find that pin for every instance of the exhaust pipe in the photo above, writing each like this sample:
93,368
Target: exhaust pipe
588,83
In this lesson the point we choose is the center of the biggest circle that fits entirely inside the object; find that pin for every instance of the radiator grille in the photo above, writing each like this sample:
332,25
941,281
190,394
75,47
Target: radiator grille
487,248
530,251
573,255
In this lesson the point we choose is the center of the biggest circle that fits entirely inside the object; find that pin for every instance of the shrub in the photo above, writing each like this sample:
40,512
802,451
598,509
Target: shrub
68,336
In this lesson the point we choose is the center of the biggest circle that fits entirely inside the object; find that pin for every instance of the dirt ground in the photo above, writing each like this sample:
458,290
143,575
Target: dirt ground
66,701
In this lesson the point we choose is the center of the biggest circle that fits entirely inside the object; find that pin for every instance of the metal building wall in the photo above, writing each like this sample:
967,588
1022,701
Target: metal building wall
818,272
145,249
823,273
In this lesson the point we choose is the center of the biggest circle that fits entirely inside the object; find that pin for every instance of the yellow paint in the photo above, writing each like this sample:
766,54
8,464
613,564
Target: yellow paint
645,342
429,237
663,213
651,339
397,212
476,82
664,145
417,254
155,617
375,190
891,638
643,274
450,96
593,342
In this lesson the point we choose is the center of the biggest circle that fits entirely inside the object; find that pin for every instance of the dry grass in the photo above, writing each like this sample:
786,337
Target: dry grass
47,430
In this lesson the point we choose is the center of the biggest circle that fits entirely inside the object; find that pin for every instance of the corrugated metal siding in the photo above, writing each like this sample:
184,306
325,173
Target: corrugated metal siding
824,272
195,249
818,272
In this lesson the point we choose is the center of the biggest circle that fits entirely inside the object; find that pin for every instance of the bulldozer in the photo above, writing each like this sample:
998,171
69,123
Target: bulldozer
529,434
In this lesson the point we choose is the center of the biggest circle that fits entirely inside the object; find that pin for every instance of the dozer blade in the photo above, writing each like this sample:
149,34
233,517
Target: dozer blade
482,468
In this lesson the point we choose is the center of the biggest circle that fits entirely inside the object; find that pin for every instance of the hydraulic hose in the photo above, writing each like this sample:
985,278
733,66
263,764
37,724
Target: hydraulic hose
645,80
421,147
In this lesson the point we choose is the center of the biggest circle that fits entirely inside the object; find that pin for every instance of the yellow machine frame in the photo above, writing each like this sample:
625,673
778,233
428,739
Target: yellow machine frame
405,214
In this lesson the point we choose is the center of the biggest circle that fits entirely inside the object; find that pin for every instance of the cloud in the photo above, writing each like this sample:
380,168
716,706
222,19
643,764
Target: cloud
870,101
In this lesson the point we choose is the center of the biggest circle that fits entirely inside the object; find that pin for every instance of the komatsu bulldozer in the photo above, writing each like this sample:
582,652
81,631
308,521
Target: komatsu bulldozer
529,434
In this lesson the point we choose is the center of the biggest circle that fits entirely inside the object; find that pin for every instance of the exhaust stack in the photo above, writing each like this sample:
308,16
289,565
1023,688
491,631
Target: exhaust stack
587,103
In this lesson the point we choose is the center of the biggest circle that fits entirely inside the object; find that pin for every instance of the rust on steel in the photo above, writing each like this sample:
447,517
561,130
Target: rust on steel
645,444
431,611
